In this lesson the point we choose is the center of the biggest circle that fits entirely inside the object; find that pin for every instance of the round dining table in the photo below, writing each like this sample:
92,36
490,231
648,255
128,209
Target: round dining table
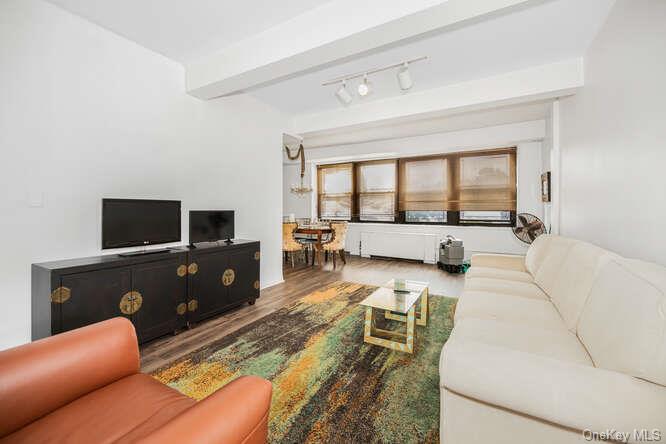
319,231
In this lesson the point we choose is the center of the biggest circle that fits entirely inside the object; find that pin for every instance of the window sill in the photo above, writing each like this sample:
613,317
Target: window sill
433,225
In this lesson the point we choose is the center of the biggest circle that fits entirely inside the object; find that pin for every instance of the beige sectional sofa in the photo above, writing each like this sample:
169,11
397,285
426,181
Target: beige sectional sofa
554,346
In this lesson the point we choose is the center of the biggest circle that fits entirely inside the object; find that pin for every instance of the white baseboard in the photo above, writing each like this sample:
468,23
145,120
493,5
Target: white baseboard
272,284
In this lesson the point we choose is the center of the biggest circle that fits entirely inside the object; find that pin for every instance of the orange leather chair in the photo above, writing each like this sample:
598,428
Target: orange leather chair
84,386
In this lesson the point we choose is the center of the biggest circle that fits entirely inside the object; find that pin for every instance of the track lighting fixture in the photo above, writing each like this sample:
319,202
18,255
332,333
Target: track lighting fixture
404,77
365,87
343,94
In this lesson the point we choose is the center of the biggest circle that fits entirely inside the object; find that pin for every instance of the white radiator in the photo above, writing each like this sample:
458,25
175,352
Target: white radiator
417,246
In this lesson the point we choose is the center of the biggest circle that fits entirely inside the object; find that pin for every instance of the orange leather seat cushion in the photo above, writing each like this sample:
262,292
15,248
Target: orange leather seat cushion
123,411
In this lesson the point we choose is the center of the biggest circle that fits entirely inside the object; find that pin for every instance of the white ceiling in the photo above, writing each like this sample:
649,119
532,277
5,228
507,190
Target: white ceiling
185,30
550,32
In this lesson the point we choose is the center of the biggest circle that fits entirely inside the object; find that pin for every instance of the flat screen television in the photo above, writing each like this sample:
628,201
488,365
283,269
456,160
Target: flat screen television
211,226
132,222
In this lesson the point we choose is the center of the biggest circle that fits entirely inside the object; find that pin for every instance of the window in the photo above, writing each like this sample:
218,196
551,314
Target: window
466,188
485,216
423,184
429,217
335,191
376,190
487,182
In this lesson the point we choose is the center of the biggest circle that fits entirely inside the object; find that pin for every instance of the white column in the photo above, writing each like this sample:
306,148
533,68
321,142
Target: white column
555,165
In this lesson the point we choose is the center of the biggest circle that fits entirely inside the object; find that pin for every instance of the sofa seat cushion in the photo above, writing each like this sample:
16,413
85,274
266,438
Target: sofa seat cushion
558,344
573,396
123,411
513,288
498,273
508,308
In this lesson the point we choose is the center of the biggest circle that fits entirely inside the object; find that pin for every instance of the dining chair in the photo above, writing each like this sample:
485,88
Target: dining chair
308,240
327,222
305,239
290,245
336,245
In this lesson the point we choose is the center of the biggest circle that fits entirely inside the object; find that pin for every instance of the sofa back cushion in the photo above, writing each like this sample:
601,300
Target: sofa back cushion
549,272
569,284
536,253
623,323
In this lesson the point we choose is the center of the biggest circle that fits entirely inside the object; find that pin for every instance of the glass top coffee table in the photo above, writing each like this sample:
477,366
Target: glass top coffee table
397,306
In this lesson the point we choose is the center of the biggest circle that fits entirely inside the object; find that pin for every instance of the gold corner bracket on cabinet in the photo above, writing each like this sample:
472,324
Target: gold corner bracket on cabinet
193,305
181,309
192,268
60,295
131,302
256,285
181,270
228,277
257,255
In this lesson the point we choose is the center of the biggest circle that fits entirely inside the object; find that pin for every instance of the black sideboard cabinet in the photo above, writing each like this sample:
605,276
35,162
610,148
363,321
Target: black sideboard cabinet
160,293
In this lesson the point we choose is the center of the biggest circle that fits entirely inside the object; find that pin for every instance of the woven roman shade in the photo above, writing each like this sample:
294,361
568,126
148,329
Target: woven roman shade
376,187
424,184
485,181
466,181
335,190
378,190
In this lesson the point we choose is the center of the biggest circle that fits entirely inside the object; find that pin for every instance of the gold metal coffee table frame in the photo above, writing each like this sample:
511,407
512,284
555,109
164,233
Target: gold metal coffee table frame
398,306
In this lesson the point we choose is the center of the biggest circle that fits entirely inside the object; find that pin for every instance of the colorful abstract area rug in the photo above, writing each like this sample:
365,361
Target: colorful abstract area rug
328,385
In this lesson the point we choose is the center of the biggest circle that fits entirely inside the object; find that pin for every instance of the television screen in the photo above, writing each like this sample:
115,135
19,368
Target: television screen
210,226
131,222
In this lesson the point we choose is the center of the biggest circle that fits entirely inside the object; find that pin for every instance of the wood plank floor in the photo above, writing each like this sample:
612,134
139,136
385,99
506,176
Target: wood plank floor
299,282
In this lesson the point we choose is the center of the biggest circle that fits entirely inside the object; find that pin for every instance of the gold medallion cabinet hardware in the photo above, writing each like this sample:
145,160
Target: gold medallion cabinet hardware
256,285
228,277
60,295
181,309
193,268
181,270
193,305
131,302
257,255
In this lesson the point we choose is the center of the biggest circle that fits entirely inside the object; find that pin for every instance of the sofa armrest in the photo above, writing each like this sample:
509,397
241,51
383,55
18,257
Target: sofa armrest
39,377
572,395
237,413
504,261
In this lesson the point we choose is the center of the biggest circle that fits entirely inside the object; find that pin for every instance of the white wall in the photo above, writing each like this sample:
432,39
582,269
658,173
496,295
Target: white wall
613,136
526,136
86,114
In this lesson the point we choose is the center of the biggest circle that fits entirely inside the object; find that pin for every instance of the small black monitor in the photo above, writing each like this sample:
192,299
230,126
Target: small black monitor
211,226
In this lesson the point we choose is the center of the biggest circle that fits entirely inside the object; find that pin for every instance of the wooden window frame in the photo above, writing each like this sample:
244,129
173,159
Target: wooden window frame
452,217
352,196
356,215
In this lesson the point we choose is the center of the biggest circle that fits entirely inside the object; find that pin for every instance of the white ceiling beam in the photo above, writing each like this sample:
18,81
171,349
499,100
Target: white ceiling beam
527,85
533,111
334,32
436,143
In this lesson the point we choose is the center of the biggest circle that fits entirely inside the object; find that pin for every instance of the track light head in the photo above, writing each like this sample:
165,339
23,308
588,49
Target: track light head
343,94
364,88
404,77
